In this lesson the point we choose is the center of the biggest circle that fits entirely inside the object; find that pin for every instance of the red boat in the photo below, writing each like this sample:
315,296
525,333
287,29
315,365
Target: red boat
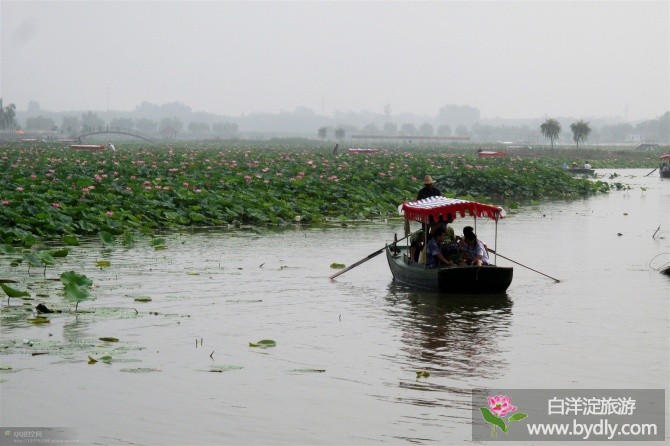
87,146
363,151
490,154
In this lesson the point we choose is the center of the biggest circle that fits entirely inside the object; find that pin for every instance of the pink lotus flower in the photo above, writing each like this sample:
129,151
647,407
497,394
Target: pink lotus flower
109,213
56,204
500,405
5,202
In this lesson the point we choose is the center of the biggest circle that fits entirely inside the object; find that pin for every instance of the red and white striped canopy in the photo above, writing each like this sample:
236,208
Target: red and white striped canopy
422,210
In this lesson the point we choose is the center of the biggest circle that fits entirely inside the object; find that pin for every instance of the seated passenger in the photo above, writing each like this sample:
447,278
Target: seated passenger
416,244
434,256
474,250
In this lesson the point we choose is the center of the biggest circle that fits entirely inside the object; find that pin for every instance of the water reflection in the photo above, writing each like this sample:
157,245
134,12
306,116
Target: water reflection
451,335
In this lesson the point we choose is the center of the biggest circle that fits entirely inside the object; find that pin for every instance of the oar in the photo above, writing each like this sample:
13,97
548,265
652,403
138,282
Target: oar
370,256
651,172
521,264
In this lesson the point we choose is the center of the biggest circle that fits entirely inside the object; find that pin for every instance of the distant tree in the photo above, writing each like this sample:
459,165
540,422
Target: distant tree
339,133
370,129
146,125
408,129
550,129
426,129
122,123
70,124
225,127
90,120
444,130
34,108
171,123
580,131
461,130
459,114
323,132
7,116
198,127
40,123
390,128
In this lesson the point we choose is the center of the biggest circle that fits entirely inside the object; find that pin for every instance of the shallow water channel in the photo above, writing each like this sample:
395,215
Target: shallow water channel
347,351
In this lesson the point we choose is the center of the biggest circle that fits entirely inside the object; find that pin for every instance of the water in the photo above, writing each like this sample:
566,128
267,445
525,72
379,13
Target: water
344,368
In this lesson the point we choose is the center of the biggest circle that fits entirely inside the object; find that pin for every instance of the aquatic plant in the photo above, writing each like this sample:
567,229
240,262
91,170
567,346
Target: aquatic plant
50,191
76,287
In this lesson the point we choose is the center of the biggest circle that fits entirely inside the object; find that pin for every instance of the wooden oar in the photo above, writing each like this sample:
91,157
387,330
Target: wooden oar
651,172
370,256
521,264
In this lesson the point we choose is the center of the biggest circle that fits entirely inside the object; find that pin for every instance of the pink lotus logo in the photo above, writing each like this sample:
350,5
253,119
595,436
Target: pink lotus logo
499,407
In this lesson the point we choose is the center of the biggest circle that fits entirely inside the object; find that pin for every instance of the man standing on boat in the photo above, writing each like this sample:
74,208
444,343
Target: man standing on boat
428,190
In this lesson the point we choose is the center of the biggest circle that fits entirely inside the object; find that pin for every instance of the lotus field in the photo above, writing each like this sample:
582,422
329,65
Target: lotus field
53,192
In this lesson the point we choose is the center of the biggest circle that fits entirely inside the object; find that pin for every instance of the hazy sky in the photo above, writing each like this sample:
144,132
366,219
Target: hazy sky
516,59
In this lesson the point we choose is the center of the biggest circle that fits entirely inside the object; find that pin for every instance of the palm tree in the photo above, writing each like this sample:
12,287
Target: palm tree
580,131
550,129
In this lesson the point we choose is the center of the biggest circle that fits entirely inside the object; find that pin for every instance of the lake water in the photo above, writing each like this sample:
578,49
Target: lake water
344,367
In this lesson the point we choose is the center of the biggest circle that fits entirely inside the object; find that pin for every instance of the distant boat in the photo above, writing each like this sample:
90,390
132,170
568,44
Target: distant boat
665,166
87,146
356,151
581,171
491,154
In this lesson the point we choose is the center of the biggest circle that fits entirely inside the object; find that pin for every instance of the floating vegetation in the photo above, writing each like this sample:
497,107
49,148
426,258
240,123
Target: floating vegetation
142,299
220,368
265,343
140,370
337,265
103,263
109,339
422,374
309,370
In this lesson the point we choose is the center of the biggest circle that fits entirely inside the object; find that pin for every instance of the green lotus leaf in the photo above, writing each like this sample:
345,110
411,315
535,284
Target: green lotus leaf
337,265
106,238
265,343
103,263
75,278
13,292
71,240
109,339
142,299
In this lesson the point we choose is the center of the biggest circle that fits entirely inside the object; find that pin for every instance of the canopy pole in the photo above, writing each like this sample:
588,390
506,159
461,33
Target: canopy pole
495,243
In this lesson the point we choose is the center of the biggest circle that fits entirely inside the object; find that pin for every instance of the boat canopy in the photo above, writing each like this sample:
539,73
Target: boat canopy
666,157
436,207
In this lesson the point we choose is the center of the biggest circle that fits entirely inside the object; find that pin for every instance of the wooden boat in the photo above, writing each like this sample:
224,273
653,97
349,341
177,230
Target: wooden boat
581,171
664,169
490,279
356,151
491,154
87,146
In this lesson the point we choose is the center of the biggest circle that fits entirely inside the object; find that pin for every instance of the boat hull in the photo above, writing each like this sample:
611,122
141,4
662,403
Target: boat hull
580,171
450,280
665,174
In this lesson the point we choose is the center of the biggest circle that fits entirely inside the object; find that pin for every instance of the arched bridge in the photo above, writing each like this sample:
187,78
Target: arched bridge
103,129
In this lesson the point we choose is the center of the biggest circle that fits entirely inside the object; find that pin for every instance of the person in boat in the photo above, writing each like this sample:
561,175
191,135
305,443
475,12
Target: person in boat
473,249
434,256
428,190
416,244
587,165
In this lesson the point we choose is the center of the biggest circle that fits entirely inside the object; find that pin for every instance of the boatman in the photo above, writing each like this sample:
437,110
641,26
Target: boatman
428,190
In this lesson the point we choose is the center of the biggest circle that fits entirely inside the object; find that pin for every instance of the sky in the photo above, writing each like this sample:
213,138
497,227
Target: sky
509,59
